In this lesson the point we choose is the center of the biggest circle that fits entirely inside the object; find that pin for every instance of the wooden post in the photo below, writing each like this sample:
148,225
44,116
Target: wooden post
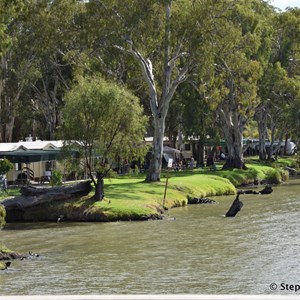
167,179
165,194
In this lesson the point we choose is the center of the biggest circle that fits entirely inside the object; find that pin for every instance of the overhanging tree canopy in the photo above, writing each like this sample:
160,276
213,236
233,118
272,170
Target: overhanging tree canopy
107,121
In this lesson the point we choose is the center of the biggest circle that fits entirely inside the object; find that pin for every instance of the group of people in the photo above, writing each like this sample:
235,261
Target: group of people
181,164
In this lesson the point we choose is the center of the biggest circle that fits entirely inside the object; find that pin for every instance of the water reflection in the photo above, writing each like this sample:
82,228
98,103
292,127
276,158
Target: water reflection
200,252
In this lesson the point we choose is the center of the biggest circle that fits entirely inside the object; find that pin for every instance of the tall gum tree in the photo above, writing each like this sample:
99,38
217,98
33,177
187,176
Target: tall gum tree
14,64
279,88
237,70
53,28
168,41
159,103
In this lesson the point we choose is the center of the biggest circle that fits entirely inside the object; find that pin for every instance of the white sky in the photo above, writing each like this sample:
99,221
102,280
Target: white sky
282,4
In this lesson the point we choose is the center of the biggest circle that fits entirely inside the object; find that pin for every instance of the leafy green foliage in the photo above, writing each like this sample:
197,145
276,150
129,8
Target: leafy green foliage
273,176
107,119
5,166
107,123
56,178
45,45
2,216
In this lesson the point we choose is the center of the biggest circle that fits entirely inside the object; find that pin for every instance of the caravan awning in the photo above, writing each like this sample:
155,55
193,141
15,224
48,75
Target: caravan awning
29,156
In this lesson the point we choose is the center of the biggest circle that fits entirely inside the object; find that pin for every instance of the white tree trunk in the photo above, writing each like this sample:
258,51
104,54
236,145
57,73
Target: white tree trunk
233,135
160,105
261,116
157,149
232,123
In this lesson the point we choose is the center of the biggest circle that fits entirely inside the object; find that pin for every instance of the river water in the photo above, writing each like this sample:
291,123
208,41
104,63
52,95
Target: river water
196,250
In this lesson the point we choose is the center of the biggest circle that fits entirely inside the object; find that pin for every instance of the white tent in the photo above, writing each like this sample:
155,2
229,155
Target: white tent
169,152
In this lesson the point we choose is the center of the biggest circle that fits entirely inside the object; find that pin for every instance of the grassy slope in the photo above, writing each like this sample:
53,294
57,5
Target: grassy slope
136,196
129,197
132,196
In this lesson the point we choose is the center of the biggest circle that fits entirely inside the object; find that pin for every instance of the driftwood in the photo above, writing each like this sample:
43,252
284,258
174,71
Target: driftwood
32,196
193,200
292,171
12,256
267,190
237,205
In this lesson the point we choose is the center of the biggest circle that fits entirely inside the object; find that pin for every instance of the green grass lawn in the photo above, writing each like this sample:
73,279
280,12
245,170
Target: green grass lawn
130,197
10,193
134,195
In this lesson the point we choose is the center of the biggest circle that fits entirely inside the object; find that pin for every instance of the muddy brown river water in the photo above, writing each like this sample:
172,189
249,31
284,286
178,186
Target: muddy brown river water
196,250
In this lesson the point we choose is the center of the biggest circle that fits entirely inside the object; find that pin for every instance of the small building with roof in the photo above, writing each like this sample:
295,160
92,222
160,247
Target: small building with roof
32,160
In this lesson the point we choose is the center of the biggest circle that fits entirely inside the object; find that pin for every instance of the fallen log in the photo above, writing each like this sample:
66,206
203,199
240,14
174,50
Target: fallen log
32,196
8,255
194,200
267,190
235,207
11,255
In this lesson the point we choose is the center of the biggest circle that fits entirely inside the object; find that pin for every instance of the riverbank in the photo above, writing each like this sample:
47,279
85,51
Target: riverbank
131,198
169,256
6,255
3,251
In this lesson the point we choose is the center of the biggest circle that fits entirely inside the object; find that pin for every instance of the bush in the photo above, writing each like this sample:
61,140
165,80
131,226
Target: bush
56,178
5,166
297,162
273,176
2,216
284,174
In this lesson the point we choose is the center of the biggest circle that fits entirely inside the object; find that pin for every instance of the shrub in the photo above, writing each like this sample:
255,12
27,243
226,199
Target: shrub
284,174
2,216
5,166
56,178
297,162
273,176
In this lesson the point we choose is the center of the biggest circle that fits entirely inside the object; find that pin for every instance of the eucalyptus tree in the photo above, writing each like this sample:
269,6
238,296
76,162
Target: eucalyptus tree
32,79
56,29
167,39
38,65
238,67
289,48
15,64
274,113
295,120
279,87
191,118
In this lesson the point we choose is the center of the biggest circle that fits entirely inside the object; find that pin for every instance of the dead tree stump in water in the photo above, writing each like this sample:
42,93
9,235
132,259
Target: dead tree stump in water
235,207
